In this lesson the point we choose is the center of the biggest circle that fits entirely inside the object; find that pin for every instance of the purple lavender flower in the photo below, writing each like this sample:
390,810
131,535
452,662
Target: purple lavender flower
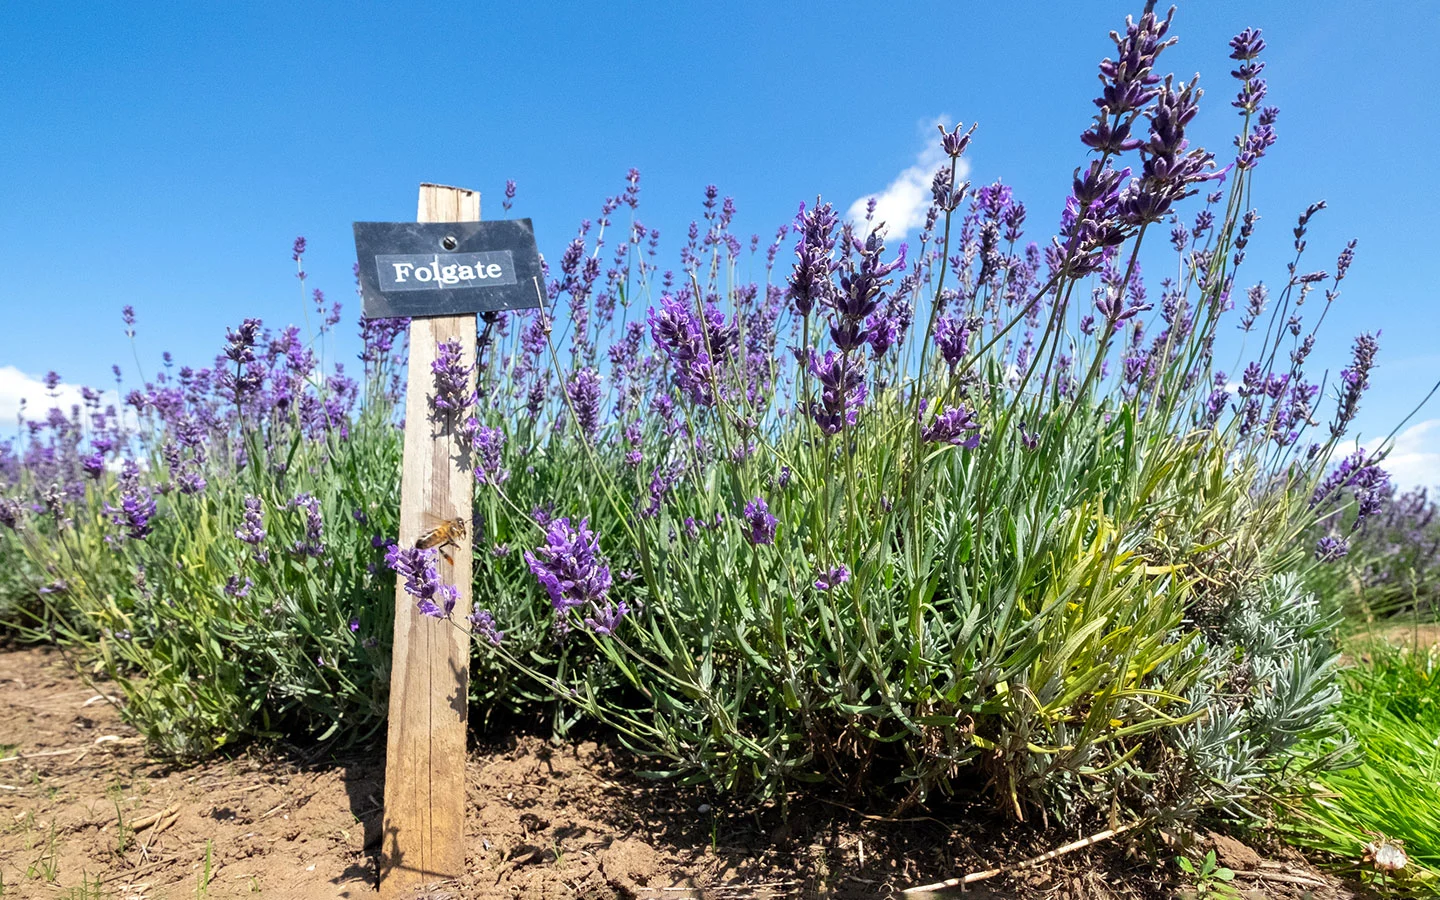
1331,548
1359,474
862,288
952,336
127,315
482,623
835,577
452,379
842,392
569,566
422,580
953,142
956,426
1353,382
93,464
314,542
583,391
237,588
489,447
137,504
1129,84
354,624
810,281
605,619
760,524
242,341
509,194
251,529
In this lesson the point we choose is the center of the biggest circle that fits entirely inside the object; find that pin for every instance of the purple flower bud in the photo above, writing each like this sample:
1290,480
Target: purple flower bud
482,623
835,577
760,524
1331,548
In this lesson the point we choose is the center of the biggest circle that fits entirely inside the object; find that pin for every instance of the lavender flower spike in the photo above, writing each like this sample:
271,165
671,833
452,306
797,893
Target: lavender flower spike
760,524
569,566
422,580
482,624
452,379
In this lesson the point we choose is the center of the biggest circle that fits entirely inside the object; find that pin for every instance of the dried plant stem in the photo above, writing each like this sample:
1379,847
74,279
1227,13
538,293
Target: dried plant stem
973,877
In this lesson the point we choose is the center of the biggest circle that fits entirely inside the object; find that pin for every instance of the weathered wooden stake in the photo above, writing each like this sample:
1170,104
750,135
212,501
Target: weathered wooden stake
424,836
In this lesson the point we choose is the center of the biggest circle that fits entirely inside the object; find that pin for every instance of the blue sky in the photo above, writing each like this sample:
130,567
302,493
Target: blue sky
164,157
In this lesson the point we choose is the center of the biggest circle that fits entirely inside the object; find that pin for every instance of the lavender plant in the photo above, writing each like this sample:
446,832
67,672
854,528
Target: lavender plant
974,511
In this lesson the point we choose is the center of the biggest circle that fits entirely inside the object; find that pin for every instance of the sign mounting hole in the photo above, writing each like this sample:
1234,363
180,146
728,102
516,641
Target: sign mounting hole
449,242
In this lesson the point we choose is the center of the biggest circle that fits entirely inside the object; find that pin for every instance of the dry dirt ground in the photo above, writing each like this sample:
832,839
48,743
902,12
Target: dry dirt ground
85,814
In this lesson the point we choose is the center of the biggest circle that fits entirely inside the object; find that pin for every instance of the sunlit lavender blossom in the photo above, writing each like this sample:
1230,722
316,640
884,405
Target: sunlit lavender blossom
1353,382
810,280
242,341
452,378
583,391
137,505
952,336
422,579
605,618
1362,477
956,426
237,588
842,392
569,566
489,446
759,522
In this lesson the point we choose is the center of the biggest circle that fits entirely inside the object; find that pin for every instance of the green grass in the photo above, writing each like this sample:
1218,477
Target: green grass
1391,708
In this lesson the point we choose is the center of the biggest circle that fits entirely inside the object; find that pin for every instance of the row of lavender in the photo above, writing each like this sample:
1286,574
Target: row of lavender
973,510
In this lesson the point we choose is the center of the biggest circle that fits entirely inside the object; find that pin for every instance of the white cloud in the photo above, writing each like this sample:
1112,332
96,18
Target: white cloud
1414,459
902,204
15,385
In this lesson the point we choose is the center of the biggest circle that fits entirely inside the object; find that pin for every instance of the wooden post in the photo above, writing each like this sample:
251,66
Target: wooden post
424,836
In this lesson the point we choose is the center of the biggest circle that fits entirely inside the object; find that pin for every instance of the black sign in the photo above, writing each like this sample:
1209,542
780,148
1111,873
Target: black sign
447,268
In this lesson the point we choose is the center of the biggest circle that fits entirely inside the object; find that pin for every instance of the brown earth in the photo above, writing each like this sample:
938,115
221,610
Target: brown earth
84,813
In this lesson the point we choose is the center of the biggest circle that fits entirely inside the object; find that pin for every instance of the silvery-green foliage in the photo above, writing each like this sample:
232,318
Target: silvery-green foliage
1268,684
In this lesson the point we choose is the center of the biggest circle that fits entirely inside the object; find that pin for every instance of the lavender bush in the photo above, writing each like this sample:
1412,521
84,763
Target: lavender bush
978,510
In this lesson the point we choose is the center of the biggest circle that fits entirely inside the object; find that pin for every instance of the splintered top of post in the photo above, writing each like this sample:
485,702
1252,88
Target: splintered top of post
441,203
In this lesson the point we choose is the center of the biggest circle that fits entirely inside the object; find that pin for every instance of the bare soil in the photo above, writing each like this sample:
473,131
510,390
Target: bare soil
84,813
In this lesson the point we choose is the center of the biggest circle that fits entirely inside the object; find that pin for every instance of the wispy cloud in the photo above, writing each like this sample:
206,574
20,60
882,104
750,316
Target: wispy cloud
901,205
1414,459
15,386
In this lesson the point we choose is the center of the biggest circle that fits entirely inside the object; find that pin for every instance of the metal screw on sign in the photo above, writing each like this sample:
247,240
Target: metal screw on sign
484,267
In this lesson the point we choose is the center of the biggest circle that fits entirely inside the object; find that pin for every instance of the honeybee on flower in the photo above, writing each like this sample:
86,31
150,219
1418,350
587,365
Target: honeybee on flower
446,533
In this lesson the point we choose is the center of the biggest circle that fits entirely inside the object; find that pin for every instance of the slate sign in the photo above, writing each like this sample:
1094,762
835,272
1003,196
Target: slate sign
447,268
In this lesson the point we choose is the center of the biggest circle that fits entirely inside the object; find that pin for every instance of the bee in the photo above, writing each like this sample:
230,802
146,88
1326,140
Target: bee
447,533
